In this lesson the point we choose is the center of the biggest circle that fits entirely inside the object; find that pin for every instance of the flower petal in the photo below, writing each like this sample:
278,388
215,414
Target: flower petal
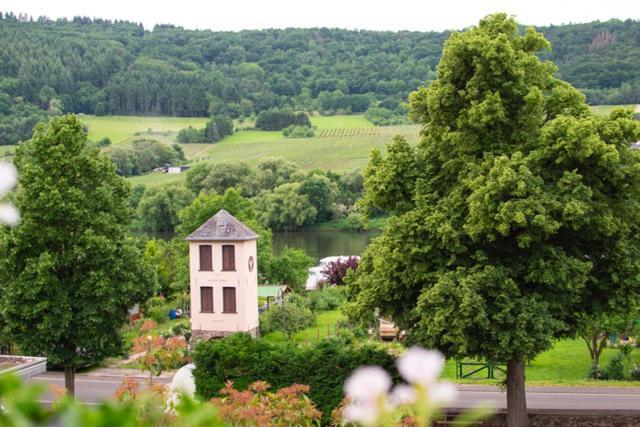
420,366
9,215
366,384
8,177
402,394
360,413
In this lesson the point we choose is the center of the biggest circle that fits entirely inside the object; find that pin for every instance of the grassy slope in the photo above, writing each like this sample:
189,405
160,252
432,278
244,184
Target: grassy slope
345,153
349,122
606,109
120,128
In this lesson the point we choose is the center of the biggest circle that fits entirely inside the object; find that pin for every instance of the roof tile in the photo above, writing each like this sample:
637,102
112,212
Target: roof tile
223,226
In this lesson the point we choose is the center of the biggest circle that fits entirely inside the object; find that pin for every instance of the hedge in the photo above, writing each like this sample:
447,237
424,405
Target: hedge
324,366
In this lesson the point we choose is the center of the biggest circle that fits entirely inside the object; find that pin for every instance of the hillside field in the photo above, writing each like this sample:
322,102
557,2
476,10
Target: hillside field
606,109
342,143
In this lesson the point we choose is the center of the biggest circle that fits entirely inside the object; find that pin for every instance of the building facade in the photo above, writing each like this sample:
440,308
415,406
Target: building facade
223,278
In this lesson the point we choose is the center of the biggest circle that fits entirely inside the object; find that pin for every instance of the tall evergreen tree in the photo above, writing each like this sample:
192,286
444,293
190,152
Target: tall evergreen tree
518,212
68,272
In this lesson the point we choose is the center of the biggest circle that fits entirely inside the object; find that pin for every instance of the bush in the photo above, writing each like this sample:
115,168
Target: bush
276,119
324,366
329,298
183,330
291,268
337,270
297,131
191,135
292,316
615,368
384,117
156,308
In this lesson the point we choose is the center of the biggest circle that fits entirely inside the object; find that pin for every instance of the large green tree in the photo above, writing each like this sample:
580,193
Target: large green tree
68,270
517,213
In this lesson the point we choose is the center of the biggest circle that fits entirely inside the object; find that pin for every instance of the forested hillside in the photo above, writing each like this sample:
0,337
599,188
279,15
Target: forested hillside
103,67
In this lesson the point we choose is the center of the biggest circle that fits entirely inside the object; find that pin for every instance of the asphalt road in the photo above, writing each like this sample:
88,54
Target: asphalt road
92,390
89,389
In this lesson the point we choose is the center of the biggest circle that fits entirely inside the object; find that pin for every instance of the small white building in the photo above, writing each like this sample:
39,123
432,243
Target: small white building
223,273
177,169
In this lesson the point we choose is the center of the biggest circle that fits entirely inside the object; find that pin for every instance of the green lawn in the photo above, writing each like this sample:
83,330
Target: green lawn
567,363
325,325
121,128
606,109
330,122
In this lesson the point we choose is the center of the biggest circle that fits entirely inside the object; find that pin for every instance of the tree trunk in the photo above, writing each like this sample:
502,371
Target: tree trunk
516,398
70,380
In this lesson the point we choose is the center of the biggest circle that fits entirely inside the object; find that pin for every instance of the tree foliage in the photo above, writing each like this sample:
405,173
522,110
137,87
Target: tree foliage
286,208
277,119
291,268
336,271
104,67
291,316
68,271
159,206
517,211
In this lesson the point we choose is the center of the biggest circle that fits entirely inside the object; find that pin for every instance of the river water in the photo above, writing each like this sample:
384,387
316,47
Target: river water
321,244
317,244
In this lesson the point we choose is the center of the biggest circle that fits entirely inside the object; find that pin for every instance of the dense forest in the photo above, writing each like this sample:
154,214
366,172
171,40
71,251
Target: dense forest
103,67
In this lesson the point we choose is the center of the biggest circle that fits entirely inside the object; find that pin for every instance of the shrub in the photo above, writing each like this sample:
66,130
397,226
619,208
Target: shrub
337,270
156,308
615,368
191,135
384,117
324,366
183,330
290,317
329,298
258,406
297,131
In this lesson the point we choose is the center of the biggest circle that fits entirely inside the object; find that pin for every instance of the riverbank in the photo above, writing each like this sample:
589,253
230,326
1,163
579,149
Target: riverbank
350,224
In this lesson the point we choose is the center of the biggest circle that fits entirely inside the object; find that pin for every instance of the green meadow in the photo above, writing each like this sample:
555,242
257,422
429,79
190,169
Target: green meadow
344,145
121,128
606,109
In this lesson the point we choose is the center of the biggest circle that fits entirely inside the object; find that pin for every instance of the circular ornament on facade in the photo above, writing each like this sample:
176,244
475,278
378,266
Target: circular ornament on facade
251,263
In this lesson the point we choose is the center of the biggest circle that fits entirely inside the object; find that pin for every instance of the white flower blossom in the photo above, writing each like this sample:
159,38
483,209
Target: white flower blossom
402,394
360,413
364,388
442,393
420,366
366,384
8,179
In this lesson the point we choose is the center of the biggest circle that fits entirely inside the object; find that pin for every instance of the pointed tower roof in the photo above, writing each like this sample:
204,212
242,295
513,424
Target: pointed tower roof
223,226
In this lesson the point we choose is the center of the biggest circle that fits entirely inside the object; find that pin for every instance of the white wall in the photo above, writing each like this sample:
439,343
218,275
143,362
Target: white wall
245,282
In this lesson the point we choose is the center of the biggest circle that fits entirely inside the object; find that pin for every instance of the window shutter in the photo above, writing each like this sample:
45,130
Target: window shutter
206,299
206,259
228,257
229,300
